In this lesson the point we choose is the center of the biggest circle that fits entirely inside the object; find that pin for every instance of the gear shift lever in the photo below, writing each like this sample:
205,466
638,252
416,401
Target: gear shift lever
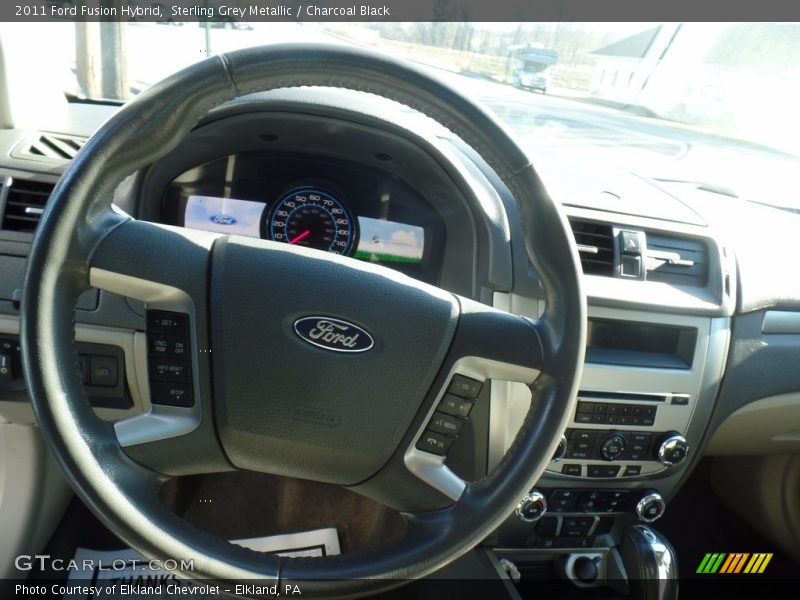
650,564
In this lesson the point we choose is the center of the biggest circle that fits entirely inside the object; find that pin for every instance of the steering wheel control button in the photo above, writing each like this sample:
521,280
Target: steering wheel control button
673,449
651,507
446,424
466,387
435,443
167,323
612,447
532,507
455,406
169,350
167,346
103,371
171,394
170,370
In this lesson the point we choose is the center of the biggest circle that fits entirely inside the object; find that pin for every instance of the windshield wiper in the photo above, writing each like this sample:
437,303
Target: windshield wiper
714,188
75,99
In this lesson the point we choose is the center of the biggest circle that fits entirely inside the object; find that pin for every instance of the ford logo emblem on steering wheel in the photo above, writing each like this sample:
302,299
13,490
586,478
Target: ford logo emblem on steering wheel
333,334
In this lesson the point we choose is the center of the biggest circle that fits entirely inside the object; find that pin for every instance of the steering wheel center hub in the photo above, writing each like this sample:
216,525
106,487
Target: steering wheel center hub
320,364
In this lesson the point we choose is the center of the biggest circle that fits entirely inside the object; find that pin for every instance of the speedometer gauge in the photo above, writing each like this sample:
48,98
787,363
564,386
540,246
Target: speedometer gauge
315,218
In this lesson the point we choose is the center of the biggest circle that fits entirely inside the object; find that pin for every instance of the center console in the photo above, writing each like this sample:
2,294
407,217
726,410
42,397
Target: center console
646,393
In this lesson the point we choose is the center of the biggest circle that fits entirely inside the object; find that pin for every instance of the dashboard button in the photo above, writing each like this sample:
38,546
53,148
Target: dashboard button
6,370
585,407
561,505
547,526
572,470
444,423
466,387
632,470
576,526
603,470
612,447
455,406
171,394
435,443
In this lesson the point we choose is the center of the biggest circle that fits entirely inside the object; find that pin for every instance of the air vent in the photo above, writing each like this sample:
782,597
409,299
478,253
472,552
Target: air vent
52,147
25,204
596,247
676,261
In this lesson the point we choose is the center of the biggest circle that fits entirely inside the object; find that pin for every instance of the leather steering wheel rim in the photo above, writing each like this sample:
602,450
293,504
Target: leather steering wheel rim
79,219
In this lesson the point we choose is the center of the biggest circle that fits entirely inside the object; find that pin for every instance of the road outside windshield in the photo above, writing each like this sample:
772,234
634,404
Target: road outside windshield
712,104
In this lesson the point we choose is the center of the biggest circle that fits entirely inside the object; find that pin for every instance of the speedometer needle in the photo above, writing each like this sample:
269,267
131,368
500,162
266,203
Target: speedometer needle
300,237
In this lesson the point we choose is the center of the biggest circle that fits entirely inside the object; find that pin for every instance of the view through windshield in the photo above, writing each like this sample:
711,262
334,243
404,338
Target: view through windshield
646,95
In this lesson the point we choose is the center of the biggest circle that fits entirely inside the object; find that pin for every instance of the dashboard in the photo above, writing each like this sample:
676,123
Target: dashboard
331,205
685,332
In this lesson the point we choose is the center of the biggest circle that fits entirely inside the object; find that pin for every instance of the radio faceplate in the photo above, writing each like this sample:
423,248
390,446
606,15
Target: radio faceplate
616,399
617,434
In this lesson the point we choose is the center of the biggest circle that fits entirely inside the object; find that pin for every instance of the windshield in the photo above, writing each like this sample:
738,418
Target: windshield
712,104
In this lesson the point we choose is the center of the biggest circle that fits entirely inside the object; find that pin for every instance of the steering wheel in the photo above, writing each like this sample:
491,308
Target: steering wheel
256,394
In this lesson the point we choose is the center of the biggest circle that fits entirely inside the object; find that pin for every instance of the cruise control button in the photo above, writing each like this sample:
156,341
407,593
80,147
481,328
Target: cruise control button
170,370
465,387
159,345
171,394
444,423
167,323
435,443
454,405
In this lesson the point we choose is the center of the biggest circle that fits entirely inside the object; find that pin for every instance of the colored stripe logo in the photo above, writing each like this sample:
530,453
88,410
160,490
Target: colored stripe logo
732,563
